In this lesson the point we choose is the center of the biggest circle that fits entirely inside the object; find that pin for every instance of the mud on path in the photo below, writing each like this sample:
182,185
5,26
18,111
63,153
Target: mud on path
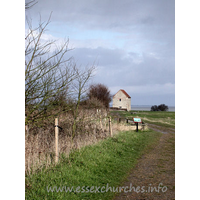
157,166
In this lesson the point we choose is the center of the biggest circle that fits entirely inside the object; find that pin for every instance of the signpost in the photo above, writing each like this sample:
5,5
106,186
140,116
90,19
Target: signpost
136,121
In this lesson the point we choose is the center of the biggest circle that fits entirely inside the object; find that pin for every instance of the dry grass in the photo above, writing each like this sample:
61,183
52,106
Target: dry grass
92,126
168,120
40,147
124,127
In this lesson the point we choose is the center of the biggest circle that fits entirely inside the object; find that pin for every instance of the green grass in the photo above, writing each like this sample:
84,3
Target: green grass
166,119
107,162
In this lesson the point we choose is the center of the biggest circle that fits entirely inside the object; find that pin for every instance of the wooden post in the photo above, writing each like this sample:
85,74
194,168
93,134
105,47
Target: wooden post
143,125
56,140
100,122
94,129
26,127
110,127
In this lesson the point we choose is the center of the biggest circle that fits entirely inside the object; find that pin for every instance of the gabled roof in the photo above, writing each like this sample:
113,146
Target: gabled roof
124,93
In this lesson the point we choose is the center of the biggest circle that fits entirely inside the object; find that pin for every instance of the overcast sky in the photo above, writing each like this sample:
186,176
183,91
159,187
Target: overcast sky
132,42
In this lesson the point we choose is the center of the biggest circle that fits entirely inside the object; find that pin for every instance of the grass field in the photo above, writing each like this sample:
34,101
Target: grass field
166,119
107,162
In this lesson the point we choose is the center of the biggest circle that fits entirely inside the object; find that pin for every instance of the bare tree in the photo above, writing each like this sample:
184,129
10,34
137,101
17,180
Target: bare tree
50,76
100,92
80,87
47,72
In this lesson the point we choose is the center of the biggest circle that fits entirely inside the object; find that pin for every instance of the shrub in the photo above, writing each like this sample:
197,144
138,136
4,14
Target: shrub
161,107
100,92
154,108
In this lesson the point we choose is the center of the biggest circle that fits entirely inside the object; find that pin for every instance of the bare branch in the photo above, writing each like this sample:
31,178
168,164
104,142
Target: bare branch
30,4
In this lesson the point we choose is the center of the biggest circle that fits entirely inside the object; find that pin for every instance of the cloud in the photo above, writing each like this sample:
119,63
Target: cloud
167,88
153,94
138,24
114,66
132,42
119,16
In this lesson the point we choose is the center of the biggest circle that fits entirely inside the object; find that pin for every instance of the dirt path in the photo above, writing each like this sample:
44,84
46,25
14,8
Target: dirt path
155,167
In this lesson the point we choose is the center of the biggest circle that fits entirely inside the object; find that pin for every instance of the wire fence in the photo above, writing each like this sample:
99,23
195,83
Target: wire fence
46,145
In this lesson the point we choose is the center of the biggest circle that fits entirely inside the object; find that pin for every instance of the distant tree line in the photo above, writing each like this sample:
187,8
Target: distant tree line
161,107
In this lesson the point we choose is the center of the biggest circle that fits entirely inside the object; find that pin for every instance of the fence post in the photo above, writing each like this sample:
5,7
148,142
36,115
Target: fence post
110,127
101,126
56,140
26,127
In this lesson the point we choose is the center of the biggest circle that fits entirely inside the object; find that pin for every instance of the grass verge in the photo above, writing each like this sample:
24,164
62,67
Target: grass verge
161,118
106,163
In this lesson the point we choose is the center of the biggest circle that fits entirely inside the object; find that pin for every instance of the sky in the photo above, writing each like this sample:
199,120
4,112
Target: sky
131,42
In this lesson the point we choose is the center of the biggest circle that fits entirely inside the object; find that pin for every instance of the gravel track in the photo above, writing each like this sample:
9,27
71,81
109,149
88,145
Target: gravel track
155,167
